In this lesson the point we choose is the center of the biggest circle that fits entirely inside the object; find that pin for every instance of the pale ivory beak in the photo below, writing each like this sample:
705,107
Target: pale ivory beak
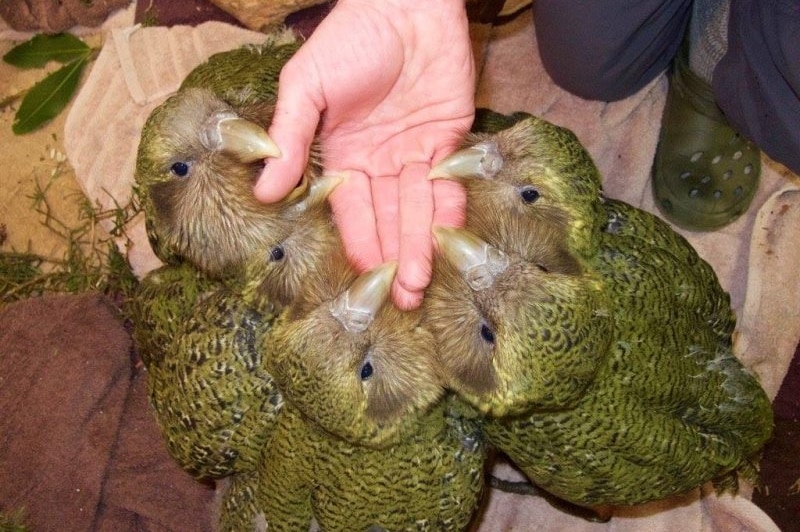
481,160
241,138
478,262
358,305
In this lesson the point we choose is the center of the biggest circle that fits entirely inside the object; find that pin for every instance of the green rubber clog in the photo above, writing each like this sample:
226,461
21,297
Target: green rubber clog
705,174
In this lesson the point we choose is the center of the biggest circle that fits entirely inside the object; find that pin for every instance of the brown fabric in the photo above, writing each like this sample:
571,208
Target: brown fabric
52,17
144,489
64,376
780,466
80,449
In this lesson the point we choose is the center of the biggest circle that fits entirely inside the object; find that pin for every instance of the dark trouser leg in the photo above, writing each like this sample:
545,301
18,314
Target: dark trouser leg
608,50
757,83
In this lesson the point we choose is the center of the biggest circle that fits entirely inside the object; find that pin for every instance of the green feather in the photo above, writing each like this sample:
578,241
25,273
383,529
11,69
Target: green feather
669,407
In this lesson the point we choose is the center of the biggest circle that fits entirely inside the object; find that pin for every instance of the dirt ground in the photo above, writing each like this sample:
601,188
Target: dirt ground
30,164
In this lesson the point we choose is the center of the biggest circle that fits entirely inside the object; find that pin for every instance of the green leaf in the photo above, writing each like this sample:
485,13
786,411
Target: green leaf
36,52
48,97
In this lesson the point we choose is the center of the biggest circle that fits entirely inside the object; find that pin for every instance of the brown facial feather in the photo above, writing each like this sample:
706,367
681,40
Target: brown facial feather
322,367
199,202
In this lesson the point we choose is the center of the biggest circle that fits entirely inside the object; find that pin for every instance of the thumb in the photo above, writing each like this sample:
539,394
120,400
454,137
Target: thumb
297,113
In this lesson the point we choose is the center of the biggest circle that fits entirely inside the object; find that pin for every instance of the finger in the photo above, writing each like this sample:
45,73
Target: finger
385,200
297,113
416,216
449,203
405,300
354,216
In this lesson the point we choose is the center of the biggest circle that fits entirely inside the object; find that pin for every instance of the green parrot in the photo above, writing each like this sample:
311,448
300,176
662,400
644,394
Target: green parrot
280,274
365,440
513,334
670,407
542,343
216,405
213,400
198,346
430,480
358,368
200,153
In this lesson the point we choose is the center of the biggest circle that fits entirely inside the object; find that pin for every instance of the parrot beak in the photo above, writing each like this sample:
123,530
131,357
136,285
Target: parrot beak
299,190
318,192
241,138
478,262
481,160
357,307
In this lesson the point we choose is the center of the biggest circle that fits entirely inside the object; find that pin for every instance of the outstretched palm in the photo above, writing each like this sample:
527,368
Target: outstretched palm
395,87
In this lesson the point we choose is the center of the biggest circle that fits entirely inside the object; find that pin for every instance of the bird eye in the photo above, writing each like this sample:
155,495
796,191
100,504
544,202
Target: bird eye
366,371
180,169
529,194
487,334
276,253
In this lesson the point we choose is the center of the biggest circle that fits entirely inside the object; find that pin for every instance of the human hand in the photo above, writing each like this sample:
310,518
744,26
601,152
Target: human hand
394,83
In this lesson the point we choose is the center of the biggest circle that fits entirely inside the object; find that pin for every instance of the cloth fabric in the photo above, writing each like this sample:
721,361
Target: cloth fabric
79,446
757,83
708,34
54,448
608,50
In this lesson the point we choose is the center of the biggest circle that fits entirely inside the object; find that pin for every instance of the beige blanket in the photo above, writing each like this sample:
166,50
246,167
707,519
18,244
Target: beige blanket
756,258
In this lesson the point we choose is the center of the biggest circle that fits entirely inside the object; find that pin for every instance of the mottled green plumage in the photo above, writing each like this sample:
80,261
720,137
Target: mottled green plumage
548,317
214,402
365,438
245,75
214,398
210,218
431,480
631,232
160,306
535,340
670,406
671,409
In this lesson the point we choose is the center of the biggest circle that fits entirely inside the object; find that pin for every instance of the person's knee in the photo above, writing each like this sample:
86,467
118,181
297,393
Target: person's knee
587,80
602,50
757,82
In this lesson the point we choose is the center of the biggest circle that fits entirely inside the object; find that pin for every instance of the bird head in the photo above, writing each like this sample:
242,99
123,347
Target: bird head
355,365
512,334
197,162
532,178
282,269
